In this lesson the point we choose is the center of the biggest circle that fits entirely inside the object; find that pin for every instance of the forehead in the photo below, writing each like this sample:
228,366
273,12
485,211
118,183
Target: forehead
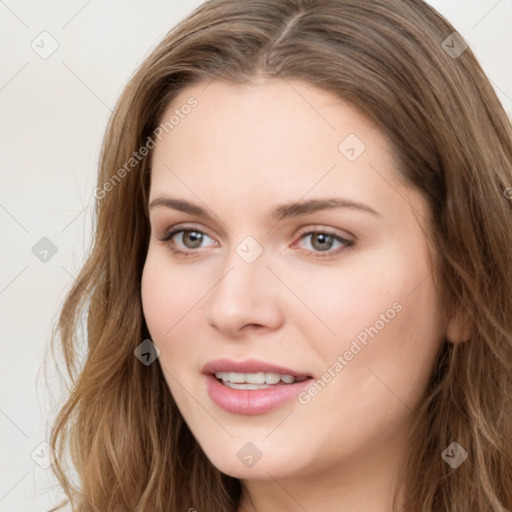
293,111
279,140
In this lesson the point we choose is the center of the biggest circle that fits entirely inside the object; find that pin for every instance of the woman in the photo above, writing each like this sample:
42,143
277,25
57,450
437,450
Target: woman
300,291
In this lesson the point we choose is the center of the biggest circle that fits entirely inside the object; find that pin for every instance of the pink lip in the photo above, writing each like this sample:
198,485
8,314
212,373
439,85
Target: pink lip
251,401
248,366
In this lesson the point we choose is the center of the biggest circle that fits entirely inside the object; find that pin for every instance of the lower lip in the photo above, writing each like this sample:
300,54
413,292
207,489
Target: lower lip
252,401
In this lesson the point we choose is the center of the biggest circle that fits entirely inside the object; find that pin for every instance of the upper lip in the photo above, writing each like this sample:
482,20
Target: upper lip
248,366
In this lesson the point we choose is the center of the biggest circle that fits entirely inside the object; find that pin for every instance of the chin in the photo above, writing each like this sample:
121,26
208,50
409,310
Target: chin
247,462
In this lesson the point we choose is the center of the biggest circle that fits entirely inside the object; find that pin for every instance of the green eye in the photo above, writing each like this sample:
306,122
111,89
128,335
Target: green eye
323,241
191,239
183,242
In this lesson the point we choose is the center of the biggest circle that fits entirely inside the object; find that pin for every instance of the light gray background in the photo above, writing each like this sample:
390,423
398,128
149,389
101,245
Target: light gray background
53,114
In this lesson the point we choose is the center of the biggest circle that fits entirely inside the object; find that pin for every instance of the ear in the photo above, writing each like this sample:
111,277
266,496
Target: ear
459,326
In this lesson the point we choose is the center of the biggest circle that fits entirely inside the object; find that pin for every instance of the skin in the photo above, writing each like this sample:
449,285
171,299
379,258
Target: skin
240,152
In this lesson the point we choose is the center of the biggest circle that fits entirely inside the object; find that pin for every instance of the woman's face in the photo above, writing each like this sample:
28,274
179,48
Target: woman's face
278,272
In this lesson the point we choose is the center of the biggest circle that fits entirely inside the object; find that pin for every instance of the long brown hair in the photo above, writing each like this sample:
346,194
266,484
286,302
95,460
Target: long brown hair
398,62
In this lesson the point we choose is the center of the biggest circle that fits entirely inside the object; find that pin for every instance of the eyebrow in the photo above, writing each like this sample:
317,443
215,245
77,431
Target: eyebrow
279,213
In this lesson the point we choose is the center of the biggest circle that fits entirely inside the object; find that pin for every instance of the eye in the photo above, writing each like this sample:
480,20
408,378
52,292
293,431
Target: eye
183,238
183,241
322,241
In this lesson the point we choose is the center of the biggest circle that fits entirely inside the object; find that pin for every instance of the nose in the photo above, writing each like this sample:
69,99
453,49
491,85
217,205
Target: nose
245,299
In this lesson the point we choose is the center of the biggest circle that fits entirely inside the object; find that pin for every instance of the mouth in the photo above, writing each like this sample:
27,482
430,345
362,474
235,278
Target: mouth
252,372
252,387
254,381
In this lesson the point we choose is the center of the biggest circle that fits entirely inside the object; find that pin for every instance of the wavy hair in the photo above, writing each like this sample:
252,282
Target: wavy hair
400,64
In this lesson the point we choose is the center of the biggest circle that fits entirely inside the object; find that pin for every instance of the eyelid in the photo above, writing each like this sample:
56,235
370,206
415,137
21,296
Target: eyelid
183,227
302,231
348,242
318,228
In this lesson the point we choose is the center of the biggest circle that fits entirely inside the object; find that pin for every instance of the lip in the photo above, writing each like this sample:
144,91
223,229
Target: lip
251,401
248,366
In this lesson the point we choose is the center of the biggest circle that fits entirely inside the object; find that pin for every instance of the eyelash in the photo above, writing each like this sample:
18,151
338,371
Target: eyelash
167,237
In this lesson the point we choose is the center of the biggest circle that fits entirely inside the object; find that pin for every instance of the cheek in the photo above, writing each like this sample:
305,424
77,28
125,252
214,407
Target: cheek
165,296
343,301
390,305
164,303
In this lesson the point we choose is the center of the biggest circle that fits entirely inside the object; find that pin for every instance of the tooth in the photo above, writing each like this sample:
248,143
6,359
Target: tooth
246,386
272,378
255,378
258,378
236,377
